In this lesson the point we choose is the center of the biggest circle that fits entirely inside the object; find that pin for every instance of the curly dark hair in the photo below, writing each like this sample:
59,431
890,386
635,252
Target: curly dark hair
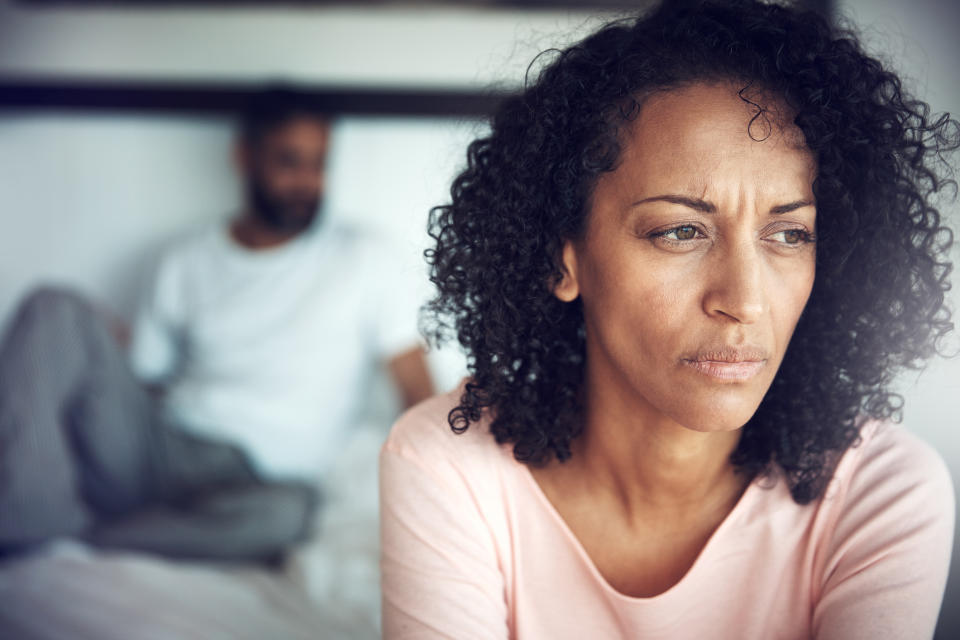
877,304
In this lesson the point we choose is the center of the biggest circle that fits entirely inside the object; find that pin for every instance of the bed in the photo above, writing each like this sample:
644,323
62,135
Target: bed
327,588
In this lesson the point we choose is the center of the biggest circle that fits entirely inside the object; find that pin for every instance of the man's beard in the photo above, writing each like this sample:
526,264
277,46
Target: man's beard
282,215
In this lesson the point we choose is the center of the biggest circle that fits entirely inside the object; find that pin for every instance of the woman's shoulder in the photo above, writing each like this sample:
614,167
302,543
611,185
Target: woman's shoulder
891,476
423,434
888,533
888,455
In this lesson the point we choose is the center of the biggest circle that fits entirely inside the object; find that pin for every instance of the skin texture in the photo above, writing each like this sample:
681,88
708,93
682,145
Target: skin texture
284,172
699,246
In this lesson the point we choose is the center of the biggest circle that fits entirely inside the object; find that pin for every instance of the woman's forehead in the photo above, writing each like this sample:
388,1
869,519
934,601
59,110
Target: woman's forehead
702,130
705,108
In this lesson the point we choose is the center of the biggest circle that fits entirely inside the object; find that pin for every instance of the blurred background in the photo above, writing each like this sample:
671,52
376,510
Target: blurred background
116,125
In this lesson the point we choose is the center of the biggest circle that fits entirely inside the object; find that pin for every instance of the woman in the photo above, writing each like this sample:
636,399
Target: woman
685,265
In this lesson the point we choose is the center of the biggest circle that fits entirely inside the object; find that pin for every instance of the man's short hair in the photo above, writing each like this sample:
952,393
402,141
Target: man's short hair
273,107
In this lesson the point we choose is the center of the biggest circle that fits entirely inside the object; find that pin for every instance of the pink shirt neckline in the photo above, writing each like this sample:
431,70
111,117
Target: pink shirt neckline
541,497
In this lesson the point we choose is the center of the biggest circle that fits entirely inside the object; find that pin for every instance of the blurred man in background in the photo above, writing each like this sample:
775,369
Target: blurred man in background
257,340
265,330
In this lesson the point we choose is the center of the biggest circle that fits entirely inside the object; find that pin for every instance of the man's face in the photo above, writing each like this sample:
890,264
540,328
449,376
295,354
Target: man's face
284,173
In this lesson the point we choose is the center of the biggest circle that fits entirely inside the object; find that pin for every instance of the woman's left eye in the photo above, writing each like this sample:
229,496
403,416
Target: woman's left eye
683,232
792,237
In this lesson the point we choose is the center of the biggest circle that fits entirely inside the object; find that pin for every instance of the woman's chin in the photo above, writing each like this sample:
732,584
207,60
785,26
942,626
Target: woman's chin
716,417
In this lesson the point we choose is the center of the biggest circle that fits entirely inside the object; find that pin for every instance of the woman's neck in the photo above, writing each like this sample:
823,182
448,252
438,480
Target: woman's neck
648,461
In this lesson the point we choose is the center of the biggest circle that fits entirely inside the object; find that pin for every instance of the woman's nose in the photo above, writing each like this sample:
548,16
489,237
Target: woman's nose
735,286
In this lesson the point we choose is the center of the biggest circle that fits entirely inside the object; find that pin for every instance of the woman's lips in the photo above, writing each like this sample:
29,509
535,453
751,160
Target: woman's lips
730,371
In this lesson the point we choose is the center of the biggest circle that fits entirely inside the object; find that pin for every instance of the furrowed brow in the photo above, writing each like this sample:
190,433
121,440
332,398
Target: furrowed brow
791,206
686,201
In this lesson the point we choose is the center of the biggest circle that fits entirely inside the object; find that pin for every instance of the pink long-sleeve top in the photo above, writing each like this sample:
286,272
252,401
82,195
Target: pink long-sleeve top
472,548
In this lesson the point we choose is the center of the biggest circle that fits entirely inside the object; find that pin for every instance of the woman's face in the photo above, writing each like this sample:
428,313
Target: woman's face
697,258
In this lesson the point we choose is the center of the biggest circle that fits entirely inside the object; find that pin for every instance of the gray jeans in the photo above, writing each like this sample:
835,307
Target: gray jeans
84,453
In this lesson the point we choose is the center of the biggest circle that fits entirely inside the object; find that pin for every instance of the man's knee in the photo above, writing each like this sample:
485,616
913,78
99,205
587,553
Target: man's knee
280,512
293,507
48,320
47,300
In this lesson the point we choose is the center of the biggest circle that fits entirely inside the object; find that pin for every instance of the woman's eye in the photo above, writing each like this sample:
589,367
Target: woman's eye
683,232
792,236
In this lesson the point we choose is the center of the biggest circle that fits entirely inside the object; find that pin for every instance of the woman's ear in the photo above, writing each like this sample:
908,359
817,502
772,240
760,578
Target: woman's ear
566,288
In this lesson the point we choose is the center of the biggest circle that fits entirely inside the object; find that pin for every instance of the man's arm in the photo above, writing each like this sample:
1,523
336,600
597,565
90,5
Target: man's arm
395,299
411,374
155,337
122,332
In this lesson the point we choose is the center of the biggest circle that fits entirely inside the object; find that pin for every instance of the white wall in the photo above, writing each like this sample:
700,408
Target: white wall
348,45
88,199
920,40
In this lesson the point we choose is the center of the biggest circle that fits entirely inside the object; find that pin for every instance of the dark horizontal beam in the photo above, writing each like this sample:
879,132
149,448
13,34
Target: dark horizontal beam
824,6
228,98
368,4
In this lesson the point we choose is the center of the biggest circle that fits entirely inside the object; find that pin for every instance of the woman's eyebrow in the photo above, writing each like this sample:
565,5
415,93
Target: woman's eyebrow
708,207
686,201
791,206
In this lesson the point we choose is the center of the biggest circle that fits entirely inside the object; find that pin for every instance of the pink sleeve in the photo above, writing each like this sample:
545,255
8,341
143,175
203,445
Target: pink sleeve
889,555
439,567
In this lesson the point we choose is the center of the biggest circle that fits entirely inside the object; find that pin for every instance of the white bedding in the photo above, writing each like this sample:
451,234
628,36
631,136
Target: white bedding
329,588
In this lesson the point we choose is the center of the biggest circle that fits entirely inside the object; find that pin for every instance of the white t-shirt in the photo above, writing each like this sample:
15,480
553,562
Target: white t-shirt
273,349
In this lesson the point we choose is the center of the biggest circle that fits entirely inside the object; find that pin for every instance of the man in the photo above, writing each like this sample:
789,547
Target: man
265,330
257,339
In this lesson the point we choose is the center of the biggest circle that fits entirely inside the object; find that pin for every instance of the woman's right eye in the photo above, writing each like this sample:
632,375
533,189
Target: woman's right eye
678,234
